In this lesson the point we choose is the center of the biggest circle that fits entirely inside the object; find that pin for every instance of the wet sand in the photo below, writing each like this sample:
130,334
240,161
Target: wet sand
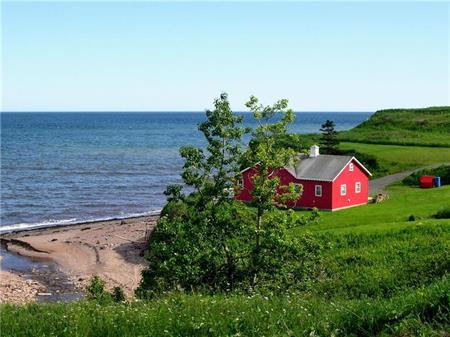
113,250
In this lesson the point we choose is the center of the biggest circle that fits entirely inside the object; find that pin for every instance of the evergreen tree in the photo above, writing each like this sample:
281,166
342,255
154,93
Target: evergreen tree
328,141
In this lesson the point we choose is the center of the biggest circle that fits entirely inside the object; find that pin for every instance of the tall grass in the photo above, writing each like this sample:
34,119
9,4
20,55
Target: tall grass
381,263
422,310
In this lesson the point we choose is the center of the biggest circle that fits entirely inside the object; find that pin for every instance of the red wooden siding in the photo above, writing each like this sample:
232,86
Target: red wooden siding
245,193
350,179
331,190
308,198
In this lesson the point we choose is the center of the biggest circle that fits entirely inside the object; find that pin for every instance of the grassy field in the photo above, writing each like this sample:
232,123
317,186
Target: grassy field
403,202
397,158
428,127
374,251
381,276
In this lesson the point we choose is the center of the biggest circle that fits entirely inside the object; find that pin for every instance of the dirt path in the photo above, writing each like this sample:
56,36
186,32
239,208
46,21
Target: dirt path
379,184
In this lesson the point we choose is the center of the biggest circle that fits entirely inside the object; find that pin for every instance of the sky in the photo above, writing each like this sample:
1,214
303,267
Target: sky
179,56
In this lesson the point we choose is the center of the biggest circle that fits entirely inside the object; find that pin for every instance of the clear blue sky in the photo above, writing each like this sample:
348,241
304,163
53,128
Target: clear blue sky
159,56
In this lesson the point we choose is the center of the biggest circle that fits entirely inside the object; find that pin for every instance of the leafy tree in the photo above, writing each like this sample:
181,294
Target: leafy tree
297,142
328,140
294,141
268,191
206,241
210,172
174,193
196,237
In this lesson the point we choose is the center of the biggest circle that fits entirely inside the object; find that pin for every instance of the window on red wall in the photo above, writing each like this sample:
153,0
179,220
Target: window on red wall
357,187
350,167
240,182
318,190
343,189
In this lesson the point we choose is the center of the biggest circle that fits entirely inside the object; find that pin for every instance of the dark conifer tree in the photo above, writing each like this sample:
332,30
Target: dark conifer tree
329,142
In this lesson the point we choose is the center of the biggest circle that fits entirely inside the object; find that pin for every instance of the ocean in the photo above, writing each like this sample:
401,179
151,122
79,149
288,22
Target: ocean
66,168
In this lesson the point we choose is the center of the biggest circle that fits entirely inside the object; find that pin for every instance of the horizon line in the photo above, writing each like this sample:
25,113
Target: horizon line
167,111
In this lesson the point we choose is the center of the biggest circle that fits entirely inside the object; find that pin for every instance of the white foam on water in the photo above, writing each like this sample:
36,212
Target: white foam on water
66,222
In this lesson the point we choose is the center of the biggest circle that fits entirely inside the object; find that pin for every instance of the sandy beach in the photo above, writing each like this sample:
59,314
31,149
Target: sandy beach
113,250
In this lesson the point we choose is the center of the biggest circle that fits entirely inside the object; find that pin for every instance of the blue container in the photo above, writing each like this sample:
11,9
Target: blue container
437,181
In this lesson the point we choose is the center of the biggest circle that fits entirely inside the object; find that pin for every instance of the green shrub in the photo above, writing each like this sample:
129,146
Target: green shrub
96,291
443,213
174,209
186,253
290,218
118,295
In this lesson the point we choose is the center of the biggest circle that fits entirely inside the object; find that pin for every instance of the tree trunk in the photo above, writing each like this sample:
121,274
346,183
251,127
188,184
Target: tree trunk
258,228
256,252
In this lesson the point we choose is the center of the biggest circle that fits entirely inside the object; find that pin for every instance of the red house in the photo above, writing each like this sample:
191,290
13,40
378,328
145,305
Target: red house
329,182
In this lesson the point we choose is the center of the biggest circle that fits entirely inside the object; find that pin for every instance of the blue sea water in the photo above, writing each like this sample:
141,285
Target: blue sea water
64,168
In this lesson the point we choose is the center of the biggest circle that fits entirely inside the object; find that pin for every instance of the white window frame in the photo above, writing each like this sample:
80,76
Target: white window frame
315,190
240,182
350,167
343,189
358,187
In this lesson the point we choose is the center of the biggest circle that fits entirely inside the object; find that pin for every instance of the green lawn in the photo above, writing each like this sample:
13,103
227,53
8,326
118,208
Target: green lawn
373,251
397,158
403,202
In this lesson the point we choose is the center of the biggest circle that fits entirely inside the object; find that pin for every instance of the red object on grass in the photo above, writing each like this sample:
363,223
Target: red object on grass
426,181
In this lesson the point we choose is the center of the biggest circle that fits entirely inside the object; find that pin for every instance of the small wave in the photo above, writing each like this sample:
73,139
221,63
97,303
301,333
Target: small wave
66,222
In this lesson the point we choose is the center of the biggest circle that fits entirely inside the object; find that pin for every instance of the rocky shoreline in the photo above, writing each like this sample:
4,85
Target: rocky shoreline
17,289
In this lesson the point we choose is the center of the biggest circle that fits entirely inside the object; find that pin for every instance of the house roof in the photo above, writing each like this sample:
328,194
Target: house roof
323,167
